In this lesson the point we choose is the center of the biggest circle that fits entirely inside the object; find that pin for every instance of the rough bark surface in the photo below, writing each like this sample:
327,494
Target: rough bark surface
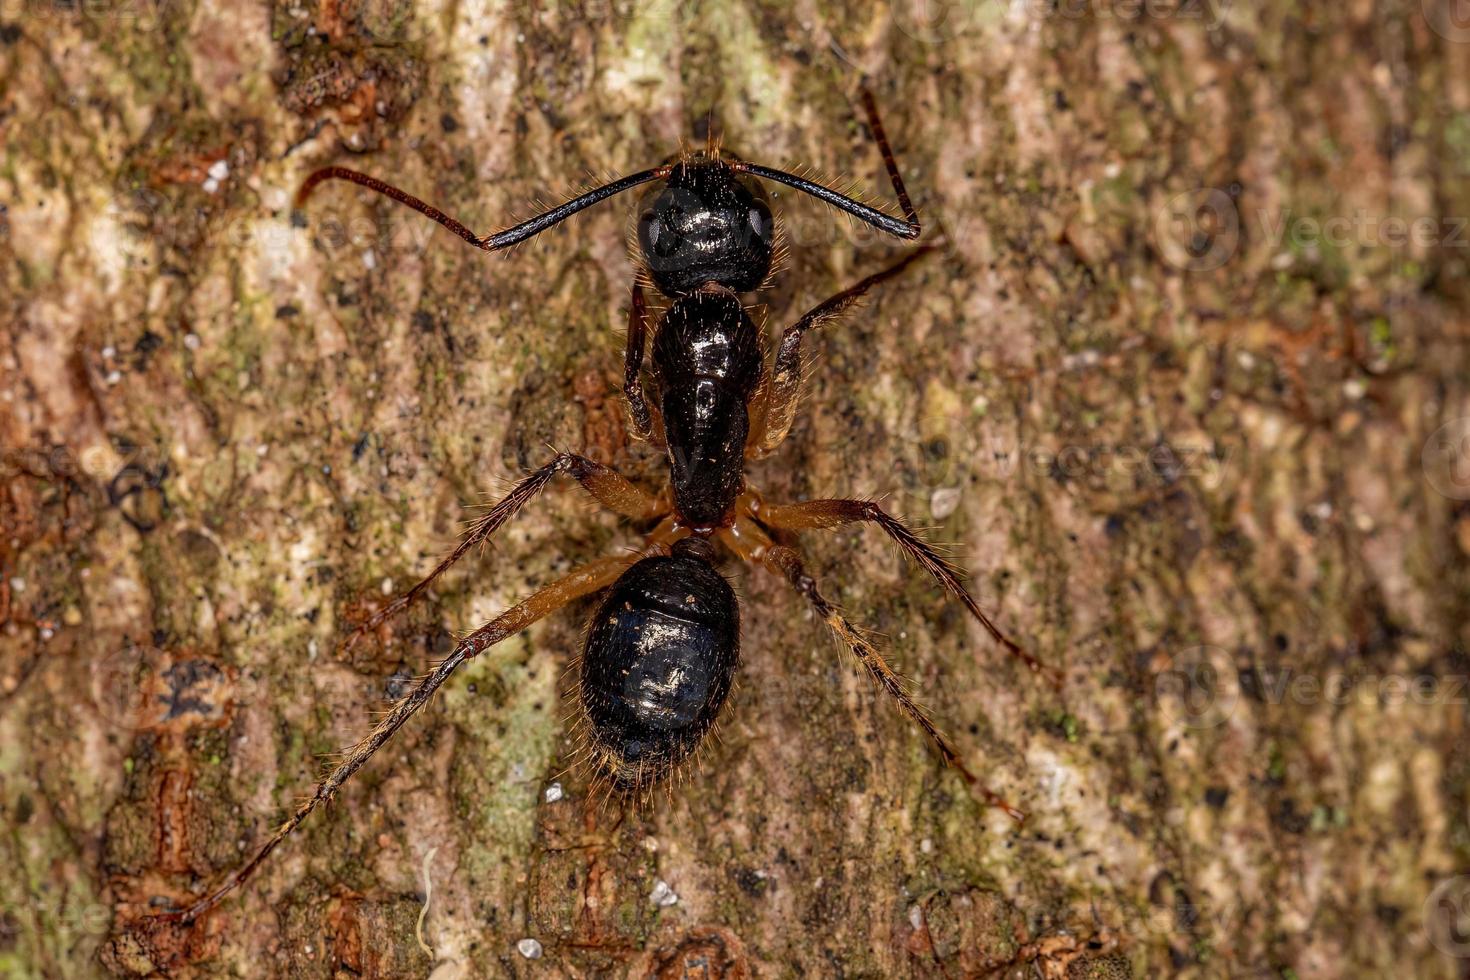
1192,451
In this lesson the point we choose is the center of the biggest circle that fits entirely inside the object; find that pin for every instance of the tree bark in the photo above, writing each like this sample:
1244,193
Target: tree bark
1185,388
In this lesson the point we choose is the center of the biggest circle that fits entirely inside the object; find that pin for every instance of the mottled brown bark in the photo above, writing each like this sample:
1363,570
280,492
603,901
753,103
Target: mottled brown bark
1173,388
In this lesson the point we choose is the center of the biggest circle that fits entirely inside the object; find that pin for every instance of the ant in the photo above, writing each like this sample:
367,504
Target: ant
664,645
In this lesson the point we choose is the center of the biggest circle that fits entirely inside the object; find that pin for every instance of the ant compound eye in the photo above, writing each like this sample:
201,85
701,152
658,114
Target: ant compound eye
762,225
652,228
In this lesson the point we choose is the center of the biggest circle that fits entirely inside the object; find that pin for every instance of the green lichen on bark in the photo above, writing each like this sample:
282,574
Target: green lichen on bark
1168,416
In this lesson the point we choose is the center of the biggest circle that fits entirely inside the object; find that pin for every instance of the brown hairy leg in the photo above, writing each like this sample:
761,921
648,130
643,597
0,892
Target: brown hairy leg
783,390
585,580
822,514
751,543
605,484
647,421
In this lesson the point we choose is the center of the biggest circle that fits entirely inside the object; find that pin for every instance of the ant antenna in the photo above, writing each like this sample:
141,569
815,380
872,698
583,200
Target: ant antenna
501,239
908,227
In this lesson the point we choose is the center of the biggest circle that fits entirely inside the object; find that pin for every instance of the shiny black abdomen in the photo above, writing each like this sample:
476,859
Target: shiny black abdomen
707,360
660,658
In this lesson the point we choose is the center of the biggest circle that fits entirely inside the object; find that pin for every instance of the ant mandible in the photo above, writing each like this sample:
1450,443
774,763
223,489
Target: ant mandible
663,647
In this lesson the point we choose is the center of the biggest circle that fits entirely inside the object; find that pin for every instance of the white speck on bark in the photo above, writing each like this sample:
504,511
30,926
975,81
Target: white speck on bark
662,895
943,502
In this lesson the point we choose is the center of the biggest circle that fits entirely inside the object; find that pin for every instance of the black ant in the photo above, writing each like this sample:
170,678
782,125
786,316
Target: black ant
663,647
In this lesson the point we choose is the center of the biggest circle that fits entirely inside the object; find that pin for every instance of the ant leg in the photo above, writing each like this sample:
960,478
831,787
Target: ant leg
819,514
490,243
785,562
784,390
579,582
647,422
604,483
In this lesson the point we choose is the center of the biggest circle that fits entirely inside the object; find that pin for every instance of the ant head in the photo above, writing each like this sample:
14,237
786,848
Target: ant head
706,223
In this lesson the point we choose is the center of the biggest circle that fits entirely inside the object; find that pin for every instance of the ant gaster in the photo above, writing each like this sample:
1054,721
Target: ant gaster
663,647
